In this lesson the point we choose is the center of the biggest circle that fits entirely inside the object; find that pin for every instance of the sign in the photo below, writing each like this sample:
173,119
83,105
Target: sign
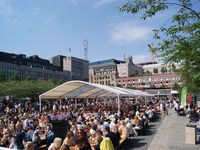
183,96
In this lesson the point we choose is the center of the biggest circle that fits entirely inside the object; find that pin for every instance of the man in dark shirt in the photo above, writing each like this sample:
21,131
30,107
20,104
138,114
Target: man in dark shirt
112,136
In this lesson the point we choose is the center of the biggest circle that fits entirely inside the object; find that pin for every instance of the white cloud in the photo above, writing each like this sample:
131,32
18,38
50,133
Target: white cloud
103,2
5,8
128,32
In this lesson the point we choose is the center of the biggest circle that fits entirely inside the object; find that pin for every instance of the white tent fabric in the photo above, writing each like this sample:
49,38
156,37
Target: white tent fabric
174,92
81,89
143,93
131,91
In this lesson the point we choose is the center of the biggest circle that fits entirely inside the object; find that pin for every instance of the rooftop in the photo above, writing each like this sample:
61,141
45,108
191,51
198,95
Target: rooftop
147,63
108,61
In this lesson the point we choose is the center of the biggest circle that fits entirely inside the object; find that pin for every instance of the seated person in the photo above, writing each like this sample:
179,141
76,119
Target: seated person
112,136
123,131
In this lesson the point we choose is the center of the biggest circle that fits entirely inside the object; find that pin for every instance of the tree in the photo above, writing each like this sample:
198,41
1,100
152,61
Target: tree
152,86
179,42
119,85
155,70
134,74
29,78
15,77
2,77
173,68
176,86
163,69
22,89
148,72
162,86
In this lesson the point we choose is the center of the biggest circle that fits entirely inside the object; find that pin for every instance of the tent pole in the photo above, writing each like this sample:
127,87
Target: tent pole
145,98
60,103
87,101
75,103
40,104
118,98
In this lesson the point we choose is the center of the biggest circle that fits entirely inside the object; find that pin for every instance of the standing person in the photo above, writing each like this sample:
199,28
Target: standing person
161,109
175,106
54,107
167,105
112,136
49,135
20,135
36,140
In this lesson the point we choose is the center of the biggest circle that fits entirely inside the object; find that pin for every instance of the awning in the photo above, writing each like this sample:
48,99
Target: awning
174,92
81,89
135,93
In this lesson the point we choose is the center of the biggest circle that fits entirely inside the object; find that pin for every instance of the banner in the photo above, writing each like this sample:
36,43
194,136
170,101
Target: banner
184,96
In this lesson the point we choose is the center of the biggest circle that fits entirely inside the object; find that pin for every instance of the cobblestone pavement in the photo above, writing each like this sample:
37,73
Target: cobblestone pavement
142,142
167,133
171,134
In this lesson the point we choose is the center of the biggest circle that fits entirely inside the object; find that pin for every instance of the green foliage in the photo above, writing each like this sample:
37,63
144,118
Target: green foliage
136,73
131,87
148,73
173,67
163,69
15,77
179,42
119,85
26,88
152,86
2,77
176,86
162,86
155,70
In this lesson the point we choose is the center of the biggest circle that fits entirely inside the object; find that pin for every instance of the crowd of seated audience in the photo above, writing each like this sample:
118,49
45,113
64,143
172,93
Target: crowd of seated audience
97,126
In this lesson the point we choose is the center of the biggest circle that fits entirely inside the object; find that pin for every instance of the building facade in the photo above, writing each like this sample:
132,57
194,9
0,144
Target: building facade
104,72
158,68
78,68
166,80
57,61
125,69
32,67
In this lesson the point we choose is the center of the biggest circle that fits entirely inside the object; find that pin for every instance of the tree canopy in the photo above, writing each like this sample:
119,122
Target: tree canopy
27,88
179,42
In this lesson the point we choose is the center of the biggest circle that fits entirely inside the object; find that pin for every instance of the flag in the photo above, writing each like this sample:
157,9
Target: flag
184,96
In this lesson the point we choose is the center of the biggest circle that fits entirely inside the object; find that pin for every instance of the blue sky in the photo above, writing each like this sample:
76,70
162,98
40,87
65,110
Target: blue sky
50,27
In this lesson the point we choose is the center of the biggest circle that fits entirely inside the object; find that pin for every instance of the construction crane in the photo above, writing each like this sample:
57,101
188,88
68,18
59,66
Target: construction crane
153,52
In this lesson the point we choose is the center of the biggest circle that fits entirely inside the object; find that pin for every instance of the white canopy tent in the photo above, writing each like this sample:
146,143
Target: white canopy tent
174,92
81,89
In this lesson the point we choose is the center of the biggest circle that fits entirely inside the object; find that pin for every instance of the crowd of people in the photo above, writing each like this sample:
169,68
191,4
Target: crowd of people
97,126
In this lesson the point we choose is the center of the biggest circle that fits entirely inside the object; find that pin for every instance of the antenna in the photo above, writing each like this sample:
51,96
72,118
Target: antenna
124,57
153,52
85,47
